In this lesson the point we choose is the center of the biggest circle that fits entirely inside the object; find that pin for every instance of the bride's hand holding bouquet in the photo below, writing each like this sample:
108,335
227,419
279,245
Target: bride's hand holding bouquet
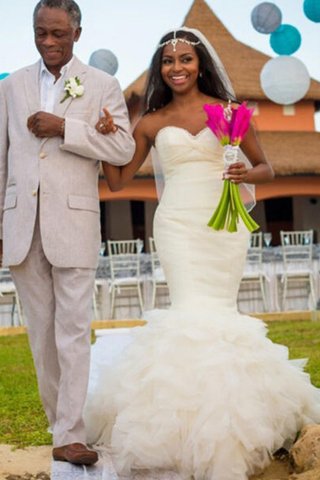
230,125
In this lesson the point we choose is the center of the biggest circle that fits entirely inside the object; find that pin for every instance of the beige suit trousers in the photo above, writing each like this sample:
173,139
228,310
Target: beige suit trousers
57,305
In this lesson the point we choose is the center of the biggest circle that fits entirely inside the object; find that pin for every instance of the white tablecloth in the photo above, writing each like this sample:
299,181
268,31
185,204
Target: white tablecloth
250,300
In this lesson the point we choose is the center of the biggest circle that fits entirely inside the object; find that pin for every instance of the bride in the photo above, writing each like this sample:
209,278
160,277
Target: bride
200,389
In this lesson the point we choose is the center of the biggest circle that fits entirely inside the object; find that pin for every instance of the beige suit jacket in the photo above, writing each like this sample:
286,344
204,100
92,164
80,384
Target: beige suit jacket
61,174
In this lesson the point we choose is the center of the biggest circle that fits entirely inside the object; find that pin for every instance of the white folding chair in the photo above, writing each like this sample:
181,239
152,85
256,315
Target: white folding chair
254,276
296,237
99,284
158,279
297,262
9,294
124,258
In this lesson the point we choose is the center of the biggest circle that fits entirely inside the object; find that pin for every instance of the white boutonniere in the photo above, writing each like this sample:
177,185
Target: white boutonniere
73,88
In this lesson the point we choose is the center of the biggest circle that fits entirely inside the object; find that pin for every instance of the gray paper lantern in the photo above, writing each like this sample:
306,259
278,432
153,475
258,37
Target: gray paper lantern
285,80
266,17
104,60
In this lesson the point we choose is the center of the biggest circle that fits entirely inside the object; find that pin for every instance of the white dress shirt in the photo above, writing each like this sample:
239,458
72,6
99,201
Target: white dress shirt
50,88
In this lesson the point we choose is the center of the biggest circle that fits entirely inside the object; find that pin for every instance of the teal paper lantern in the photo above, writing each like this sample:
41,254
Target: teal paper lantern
266,17
3,75
311,10
285,40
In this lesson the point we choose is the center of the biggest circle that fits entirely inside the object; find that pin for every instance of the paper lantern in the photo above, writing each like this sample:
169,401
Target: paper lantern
311,10
285,40
285,80
266,17
3,75
104,60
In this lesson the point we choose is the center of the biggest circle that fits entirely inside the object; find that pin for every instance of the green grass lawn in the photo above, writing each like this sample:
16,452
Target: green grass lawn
22,420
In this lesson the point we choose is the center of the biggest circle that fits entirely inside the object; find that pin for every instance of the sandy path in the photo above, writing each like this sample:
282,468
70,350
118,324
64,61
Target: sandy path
33,460
28,460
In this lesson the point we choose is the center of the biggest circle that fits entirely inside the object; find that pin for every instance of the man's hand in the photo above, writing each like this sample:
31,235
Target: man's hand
44,124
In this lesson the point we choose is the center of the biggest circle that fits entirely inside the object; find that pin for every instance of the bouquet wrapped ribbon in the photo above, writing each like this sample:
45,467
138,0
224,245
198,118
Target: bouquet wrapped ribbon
230,126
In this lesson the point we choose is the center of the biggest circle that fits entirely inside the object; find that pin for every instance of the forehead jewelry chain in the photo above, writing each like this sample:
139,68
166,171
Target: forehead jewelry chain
175,40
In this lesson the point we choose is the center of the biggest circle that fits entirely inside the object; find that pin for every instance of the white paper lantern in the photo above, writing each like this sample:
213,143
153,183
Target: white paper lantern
266,17
285,80
104,60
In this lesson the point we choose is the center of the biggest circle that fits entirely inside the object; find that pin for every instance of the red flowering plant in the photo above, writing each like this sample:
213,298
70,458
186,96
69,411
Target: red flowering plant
230,125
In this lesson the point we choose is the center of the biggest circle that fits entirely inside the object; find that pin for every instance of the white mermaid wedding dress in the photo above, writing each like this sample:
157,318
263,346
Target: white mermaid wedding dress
199,390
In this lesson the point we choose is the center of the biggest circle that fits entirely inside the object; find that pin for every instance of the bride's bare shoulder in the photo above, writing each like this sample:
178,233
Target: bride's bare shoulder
151,123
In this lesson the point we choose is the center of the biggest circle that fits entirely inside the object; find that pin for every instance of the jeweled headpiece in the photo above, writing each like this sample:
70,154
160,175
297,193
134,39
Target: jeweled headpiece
174,40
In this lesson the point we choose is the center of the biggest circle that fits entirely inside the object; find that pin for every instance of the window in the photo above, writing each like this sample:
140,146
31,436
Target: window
289,110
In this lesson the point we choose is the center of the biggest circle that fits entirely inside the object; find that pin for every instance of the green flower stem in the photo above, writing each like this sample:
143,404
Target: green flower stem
218,219
233,214
232,226
229,209
223,213
247,219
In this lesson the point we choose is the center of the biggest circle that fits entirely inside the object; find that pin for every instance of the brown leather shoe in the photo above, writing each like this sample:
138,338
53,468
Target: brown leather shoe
76,453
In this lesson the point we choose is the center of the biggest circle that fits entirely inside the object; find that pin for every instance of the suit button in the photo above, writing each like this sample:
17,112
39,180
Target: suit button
42,155
34,192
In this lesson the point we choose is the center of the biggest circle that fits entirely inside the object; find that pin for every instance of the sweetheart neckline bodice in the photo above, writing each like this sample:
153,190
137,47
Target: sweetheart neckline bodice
191,135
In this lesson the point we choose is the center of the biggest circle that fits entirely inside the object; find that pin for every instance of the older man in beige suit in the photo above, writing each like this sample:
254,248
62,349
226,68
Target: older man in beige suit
49,209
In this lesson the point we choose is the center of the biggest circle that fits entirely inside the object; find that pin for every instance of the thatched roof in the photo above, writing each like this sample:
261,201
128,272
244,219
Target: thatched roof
292,153
243,63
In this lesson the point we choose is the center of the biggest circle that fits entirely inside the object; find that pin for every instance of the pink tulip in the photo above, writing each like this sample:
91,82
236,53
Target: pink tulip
218,123
240,123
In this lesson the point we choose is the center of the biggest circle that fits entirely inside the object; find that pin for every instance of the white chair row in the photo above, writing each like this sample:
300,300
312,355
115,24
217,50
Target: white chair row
258,282
294,275
125,276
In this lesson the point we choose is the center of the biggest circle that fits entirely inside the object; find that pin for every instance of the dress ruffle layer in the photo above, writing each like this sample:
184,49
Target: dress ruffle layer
204,393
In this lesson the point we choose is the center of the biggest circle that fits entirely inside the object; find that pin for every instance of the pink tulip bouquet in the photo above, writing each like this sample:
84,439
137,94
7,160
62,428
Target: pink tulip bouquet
230,126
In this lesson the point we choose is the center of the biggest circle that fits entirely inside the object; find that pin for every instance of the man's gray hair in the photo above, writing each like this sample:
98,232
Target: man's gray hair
68,6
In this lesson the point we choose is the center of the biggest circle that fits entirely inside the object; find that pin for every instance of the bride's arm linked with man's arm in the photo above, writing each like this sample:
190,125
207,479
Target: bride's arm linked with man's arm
116,176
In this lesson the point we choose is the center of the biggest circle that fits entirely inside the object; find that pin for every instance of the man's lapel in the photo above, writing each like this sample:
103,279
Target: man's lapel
77,69
32,87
